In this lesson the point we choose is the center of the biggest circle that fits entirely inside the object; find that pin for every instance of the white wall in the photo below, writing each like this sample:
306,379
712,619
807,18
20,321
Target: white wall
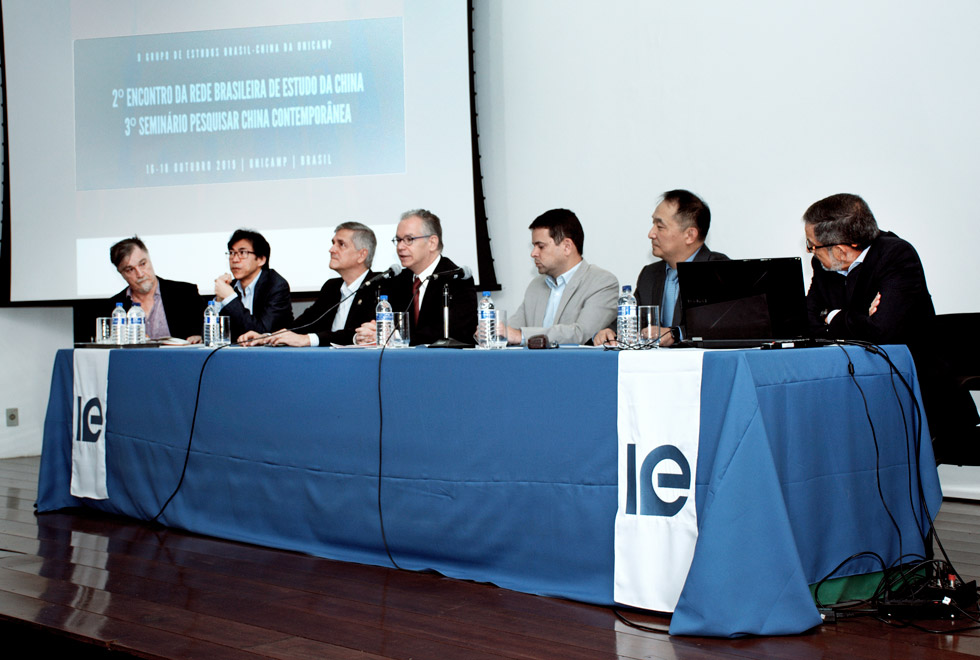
29,338
761,107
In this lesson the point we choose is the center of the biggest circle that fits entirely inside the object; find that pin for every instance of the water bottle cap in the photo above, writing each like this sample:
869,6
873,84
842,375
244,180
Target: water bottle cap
486,294
118,304
210,303
384,297
627,288
136,304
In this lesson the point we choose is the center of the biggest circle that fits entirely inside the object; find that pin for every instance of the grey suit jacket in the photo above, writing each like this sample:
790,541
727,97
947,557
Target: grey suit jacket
587,305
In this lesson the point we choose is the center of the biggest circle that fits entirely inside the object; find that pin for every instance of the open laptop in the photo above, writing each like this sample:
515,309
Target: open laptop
744,303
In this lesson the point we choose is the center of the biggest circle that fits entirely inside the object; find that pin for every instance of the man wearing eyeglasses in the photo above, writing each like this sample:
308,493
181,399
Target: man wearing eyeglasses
867,284
419,288
173,309
253,295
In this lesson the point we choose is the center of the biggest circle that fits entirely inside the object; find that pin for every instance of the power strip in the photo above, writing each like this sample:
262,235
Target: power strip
932,603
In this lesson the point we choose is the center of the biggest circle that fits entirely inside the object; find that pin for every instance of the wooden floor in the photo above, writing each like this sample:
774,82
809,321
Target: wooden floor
94,586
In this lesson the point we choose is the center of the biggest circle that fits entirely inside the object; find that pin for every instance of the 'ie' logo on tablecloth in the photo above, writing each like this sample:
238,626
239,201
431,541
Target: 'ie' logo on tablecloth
89,420
651,503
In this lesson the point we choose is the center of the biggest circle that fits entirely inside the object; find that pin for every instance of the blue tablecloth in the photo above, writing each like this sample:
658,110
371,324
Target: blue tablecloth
501,466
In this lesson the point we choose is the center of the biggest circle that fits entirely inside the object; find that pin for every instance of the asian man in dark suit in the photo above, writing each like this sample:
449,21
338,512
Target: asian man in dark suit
253,295
680,227
344,302
419,288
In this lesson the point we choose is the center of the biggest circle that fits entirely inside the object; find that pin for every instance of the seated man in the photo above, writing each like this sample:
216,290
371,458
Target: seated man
570,299
887,300
173,309
680,227
343,304
257,297
869,285
419,288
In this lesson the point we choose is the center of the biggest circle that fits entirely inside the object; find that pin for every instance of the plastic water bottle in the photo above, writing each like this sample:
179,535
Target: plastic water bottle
627,320
119,334
486,326
136,320
385,321
210,334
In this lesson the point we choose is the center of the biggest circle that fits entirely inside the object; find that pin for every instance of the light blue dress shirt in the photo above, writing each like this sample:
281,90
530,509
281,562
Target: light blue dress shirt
672,289
557,286
247,295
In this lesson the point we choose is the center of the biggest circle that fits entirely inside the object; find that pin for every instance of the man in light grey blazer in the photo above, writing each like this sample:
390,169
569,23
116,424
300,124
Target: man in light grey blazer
571,299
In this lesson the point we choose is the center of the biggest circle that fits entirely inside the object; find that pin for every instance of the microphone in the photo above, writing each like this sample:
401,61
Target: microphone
394,270
462,272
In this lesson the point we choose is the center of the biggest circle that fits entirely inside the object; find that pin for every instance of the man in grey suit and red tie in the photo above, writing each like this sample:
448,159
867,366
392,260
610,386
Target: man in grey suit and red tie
570,299
680,226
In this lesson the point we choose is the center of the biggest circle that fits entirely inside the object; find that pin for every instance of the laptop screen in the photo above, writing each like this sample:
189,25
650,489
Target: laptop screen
744,299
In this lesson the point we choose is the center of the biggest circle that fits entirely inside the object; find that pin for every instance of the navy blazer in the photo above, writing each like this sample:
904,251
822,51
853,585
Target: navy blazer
361,311
271,307
462,305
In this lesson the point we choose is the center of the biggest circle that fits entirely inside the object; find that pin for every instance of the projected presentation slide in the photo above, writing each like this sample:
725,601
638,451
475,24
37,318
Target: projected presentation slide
182,121
325,99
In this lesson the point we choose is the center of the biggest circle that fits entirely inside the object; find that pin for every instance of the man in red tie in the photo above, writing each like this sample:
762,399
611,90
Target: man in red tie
419,289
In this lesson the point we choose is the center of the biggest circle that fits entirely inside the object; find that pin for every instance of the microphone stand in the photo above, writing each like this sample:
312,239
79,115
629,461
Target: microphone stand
447,341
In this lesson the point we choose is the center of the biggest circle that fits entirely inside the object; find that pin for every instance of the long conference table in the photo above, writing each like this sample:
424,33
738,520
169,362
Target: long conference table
501,466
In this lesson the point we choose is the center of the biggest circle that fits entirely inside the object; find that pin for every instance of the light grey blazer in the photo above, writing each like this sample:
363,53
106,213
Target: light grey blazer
588,304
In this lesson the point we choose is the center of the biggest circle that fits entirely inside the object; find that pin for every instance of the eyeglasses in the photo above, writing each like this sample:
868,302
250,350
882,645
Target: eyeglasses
408,240
810,247
241,254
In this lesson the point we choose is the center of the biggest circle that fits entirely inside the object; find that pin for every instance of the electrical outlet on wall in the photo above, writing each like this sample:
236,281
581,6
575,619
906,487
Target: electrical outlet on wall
13,417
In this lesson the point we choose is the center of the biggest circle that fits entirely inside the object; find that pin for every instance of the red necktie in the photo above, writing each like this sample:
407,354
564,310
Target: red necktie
416,285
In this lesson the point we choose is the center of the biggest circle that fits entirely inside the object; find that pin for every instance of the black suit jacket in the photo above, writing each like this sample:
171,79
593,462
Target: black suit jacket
650,284
905,315
892,268
271,307
462,305
182,305
361,311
